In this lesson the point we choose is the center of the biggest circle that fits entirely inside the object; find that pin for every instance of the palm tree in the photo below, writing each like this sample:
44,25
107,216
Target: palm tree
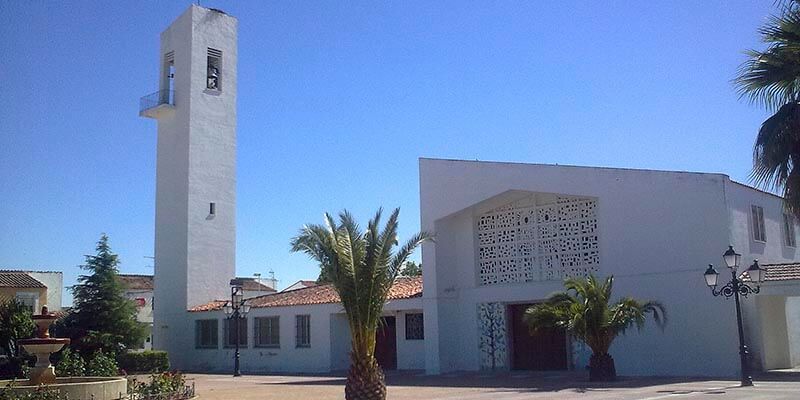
362,268
584,311
772,78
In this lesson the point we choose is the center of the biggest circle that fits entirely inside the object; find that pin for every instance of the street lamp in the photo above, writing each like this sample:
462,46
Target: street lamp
235,310
735,288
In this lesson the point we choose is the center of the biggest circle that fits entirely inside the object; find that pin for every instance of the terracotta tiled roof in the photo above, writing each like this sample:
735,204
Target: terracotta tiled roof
16,279
136,282
782,272
251,284
403,288
210,306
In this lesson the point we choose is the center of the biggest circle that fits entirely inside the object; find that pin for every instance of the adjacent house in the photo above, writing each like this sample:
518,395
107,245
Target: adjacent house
139,289
300,285
305,330
33,288
255,286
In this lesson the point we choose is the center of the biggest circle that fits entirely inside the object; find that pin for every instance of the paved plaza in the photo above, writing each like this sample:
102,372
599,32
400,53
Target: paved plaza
513,386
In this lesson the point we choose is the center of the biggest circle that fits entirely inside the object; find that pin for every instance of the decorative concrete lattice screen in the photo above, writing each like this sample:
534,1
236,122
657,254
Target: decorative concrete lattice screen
538,242
493,336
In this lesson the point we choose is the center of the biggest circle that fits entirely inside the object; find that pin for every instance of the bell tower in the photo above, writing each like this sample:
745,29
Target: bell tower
195,229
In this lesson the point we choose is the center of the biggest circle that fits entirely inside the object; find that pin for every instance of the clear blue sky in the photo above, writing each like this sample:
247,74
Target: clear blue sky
337,100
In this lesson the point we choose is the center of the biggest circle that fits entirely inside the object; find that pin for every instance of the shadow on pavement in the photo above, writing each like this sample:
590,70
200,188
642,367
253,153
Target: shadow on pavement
522,381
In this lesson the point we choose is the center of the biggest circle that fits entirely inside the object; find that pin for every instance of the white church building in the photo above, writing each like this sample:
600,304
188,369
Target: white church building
507,234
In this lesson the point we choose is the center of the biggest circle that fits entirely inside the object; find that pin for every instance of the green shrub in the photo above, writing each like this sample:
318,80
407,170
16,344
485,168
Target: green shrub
145,361
102,365
71,364
165,382
41,393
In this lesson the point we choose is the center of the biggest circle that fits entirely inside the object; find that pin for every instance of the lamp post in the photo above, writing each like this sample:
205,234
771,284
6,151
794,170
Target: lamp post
235,310
735,288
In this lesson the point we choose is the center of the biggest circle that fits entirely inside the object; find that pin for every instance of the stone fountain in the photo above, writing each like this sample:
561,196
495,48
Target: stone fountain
42,346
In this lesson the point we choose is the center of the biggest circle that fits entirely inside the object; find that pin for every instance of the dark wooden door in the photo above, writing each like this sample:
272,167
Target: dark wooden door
386,344
544,351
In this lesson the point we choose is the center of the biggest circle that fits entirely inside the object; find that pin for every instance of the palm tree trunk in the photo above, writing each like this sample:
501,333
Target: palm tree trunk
601,368
365,380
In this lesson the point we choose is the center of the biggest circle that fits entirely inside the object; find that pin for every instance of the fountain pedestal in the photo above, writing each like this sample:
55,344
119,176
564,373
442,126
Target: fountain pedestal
42,346
97,388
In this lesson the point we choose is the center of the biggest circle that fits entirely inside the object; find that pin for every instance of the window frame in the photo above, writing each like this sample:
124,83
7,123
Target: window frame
22,297
759,226
274,328
789,232
422,326
227,343
214,333
305,328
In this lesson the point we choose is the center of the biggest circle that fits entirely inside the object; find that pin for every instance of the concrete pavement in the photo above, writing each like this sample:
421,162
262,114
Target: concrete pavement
508,386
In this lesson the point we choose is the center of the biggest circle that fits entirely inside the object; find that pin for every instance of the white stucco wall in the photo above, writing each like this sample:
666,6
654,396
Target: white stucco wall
657,231
55,287
765,315
196,159
330,342
793,327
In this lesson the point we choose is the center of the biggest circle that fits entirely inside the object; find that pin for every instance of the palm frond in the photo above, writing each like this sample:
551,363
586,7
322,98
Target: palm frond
772,77
584,310
361,266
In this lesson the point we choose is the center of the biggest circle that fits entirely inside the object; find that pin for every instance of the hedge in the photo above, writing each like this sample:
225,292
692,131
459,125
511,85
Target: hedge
145,361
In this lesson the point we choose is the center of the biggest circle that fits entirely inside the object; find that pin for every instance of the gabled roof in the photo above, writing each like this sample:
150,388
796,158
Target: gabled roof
30,270
403,288
18,279
782,272
251,284
136,282
301,283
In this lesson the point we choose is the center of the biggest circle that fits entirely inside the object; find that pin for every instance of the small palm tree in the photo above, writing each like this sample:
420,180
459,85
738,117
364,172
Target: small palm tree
362,268
772,78
584,311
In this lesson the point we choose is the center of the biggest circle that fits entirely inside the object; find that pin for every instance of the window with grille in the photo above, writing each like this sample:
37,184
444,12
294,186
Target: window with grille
29,300
267,332
303,330
788,230
230,334
415,327
205,334
759,233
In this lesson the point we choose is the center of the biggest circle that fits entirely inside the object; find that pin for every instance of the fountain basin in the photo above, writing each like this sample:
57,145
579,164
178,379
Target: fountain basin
97,388
40,346
43,372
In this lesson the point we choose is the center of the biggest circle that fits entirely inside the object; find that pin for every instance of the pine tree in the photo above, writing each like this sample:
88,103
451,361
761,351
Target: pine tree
411,269
102,318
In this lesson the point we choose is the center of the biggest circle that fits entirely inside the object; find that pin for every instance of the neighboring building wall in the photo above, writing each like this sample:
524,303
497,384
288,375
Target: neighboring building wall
766,329
657,232
13,293
55,287
144,312
793,327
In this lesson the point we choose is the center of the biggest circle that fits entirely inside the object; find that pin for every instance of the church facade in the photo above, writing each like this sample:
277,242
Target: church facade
507,234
